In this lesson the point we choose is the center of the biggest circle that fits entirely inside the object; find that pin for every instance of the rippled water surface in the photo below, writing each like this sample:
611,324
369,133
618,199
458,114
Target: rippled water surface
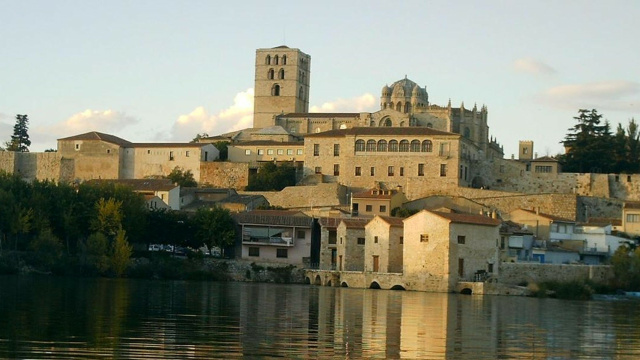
46,317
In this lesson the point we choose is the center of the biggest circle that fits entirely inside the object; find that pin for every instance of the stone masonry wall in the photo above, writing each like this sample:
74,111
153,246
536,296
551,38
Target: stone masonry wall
224,174
7,161
305,197
516,273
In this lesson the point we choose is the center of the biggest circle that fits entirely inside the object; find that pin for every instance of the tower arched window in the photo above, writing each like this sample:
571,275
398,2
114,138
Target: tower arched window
404,146
270,74
281,74
388,123
360,145
267,60
275,60
430,125
467,132
384,106
427,146
393,145
275,90
399,106
415,146
382,145
301,93
407,107
284,59
371,145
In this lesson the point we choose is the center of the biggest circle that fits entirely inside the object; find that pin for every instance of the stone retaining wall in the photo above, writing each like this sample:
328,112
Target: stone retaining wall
519,273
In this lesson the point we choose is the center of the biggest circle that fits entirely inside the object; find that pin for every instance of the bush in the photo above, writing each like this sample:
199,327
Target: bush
572,290
48,250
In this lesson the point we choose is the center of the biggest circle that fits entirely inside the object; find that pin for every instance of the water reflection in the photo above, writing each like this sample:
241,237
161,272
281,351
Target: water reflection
88,318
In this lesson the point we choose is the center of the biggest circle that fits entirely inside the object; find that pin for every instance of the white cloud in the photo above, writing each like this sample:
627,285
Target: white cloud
362,103
237,116
532,66
605,95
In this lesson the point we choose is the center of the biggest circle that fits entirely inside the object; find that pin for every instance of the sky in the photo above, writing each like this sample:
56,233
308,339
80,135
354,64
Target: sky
158,70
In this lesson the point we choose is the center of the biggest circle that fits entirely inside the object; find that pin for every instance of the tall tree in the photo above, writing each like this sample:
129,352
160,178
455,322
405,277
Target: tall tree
215,227
588,144
20,139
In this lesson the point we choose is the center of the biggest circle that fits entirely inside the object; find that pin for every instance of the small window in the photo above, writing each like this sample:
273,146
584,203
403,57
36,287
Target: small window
254,251
171,157
373,171
301,234
148,152
280,151
299,152
282,253
275,90
336,149
371,145
247,152
628,178
401,240
375,239
289,151
269,151
633,218
318,170
316,149
383,208
401,171
260,151
360,241
369,208
360,145
420,169
186,153
424,238
336,169
108,151
462,239
390,171
443,169
358,171
77,146
281,74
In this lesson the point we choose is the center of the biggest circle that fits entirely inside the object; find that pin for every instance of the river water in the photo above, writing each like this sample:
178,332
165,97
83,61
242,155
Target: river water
48,317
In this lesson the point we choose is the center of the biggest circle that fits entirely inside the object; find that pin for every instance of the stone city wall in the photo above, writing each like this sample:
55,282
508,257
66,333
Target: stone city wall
305,197
518,273
7,161
222,174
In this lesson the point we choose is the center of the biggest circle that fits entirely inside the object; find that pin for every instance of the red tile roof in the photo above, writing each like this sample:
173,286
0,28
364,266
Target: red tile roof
94,135
468,218
393,221
355,223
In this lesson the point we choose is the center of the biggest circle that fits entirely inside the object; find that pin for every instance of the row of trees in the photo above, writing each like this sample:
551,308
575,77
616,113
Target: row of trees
592,147
96,224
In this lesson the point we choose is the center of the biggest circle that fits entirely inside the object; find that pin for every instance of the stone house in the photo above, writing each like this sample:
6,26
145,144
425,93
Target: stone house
442,249
328,242
350,247
383,245
153,189
631,218
376,201
544,226
276,236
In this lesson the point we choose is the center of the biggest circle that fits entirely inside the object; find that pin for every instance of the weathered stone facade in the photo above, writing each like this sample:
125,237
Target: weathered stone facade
383,245
224,174
522,273
306,197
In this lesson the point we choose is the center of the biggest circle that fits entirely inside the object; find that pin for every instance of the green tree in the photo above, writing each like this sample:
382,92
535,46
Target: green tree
215,227
48,248
182,178
95,252
272,177
121,253
109,217
588,144
626,267
20,139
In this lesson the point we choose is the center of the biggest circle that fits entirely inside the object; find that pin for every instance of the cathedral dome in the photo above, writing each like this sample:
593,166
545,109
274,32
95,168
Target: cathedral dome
402,88
386,90
417,91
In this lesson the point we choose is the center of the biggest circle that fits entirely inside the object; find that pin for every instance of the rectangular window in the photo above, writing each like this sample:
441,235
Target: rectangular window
633,218
316,149
260,151
171,157
443,169
444,149
332,237
299,152
254,251
360,241
280,151
368,208
269,151
401,171
301,234
390,171
383,208
148,152
373,171
548,169
247,152
462,239
401,239
358,171
289,151
282,253
77,146
424,238
318,170
186,153
375,239
336,149
420,169
108,151
336,169
461,267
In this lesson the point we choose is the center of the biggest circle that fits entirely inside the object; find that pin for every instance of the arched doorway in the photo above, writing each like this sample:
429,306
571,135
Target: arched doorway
374,285
344,284
318,280
466,291
398,287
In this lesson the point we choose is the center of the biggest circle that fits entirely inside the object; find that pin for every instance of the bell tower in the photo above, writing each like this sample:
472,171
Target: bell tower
281,84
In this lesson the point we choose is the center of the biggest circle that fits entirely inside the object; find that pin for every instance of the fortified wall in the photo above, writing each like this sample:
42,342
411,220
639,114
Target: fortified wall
305,197
224,175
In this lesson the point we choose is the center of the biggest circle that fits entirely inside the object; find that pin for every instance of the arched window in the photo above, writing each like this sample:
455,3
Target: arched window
399,106
407,107
270,74
281,74
284,59
404,146
467,132
359,145
393,145
372,123
275,60
301,93
415,146
384,106
427,146
275,90
430,125
382,145
371,145
268,60
388,122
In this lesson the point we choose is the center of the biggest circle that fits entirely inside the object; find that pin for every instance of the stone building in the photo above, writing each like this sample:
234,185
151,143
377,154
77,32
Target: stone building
442,249
377,201
631,218
350,247
544,226
383,245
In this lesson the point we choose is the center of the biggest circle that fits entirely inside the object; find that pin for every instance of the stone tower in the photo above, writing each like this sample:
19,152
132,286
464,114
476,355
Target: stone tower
281,85
525,150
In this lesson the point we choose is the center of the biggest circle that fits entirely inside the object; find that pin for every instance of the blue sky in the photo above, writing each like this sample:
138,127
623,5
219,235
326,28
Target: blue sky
167,70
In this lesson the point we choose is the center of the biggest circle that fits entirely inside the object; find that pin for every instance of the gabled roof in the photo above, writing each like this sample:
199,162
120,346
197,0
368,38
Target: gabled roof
548,216
544,159
382,131
355,223
94,135
466,218
169,145
392,221
274,217
632,205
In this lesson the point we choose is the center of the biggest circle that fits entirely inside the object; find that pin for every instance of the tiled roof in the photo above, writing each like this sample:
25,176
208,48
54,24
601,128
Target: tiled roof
273,130
94,135
168,145
369,194
329,222
267,143
468,218
548,216
544,159
393,221
355,223
139,184
604,221
382,131
274,217
632,205
319,115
